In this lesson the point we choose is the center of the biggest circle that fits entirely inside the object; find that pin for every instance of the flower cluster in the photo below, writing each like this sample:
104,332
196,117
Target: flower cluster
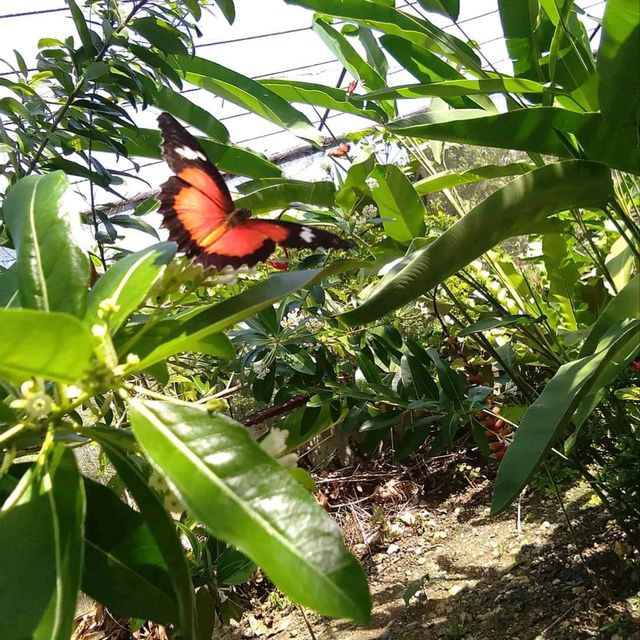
35,402
171,502
313,324
261,369
369,211
372,183
292,320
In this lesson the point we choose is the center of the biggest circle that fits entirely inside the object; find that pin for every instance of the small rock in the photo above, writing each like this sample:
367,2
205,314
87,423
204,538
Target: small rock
392,548
545,525
432,523
293,633
407,518
456,589
440,534
422,561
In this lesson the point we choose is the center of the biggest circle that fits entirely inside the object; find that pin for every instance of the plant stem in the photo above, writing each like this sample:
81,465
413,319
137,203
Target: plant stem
7,435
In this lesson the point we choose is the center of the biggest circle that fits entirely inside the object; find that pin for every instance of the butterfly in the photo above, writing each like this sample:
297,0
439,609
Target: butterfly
199,213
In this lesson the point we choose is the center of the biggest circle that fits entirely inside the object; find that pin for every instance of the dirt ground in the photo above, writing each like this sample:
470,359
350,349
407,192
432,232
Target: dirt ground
447,570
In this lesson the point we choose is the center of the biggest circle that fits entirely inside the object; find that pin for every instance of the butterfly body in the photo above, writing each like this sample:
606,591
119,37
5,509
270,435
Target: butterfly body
199,213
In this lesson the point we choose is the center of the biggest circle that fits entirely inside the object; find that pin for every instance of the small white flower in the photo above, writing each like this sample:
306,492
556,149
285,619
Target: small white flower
275,442
448,319
292,320
423,309
261,369
325,165
372,183
313,325
99,330
38,405
172,504
157,482
369,211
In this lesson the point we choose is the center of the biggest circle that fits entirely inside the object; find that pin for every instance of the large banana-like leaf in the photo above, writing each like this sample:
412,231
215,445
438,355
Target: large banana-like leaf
513,210
618,63
389,20
547,130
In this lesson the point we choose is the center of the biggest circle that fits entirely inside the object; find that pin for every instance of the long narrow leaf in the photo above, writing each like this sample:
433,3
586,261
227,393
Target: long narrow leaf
513,210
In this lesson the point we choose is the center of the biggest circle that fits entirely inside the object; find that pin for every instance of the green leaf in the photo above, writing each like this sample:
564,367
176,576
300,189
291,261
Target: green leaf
160,34
246,498
145,143
389,20
322,96
176,334
41,550
124,569
54,346
618,57
162,529
547,130
486,324
53,270
375,55
551,412
127,284
456,88
519,19
81,26
448,8
351,60
397,199
247,93
228,9
564,277
451,383
427,67
449,179
96,70
181,107
216,344
510,211
624,305
280,193
9,287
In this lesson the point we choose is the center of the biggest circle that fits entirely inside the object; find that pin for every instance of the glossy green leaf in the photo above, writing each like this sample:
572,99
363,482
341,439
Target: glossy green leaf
551,412
124,569
455,88
389,20
173,335
281,193
427,67
145,143
320,95
127,284
618,58
564,277
399,205
448,8
547,130
160,34
486,324
162,529
53,270
519,20
81,26
181,107
510,211
451,382
625,305
373,51
41,550
246,498
351,60
228,9
54,346
247,93
9,287
449,179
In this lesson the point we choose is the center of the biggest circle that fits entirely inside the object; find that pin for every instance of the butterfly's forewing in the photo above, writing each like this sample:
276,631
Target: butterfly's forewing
195,203
197,209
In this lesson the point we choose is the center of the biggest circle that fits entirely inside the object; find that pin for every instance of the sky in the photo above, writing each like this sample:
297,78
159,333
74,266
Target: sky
270,39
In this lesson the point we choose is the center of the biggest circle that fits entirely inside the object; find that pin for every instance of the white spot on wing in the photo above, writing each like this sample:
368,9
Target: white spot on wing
190,154
307,235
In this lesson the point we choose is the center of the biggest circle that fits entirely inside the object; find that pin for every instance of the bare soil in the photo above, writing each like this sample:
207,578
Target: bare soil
441,568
